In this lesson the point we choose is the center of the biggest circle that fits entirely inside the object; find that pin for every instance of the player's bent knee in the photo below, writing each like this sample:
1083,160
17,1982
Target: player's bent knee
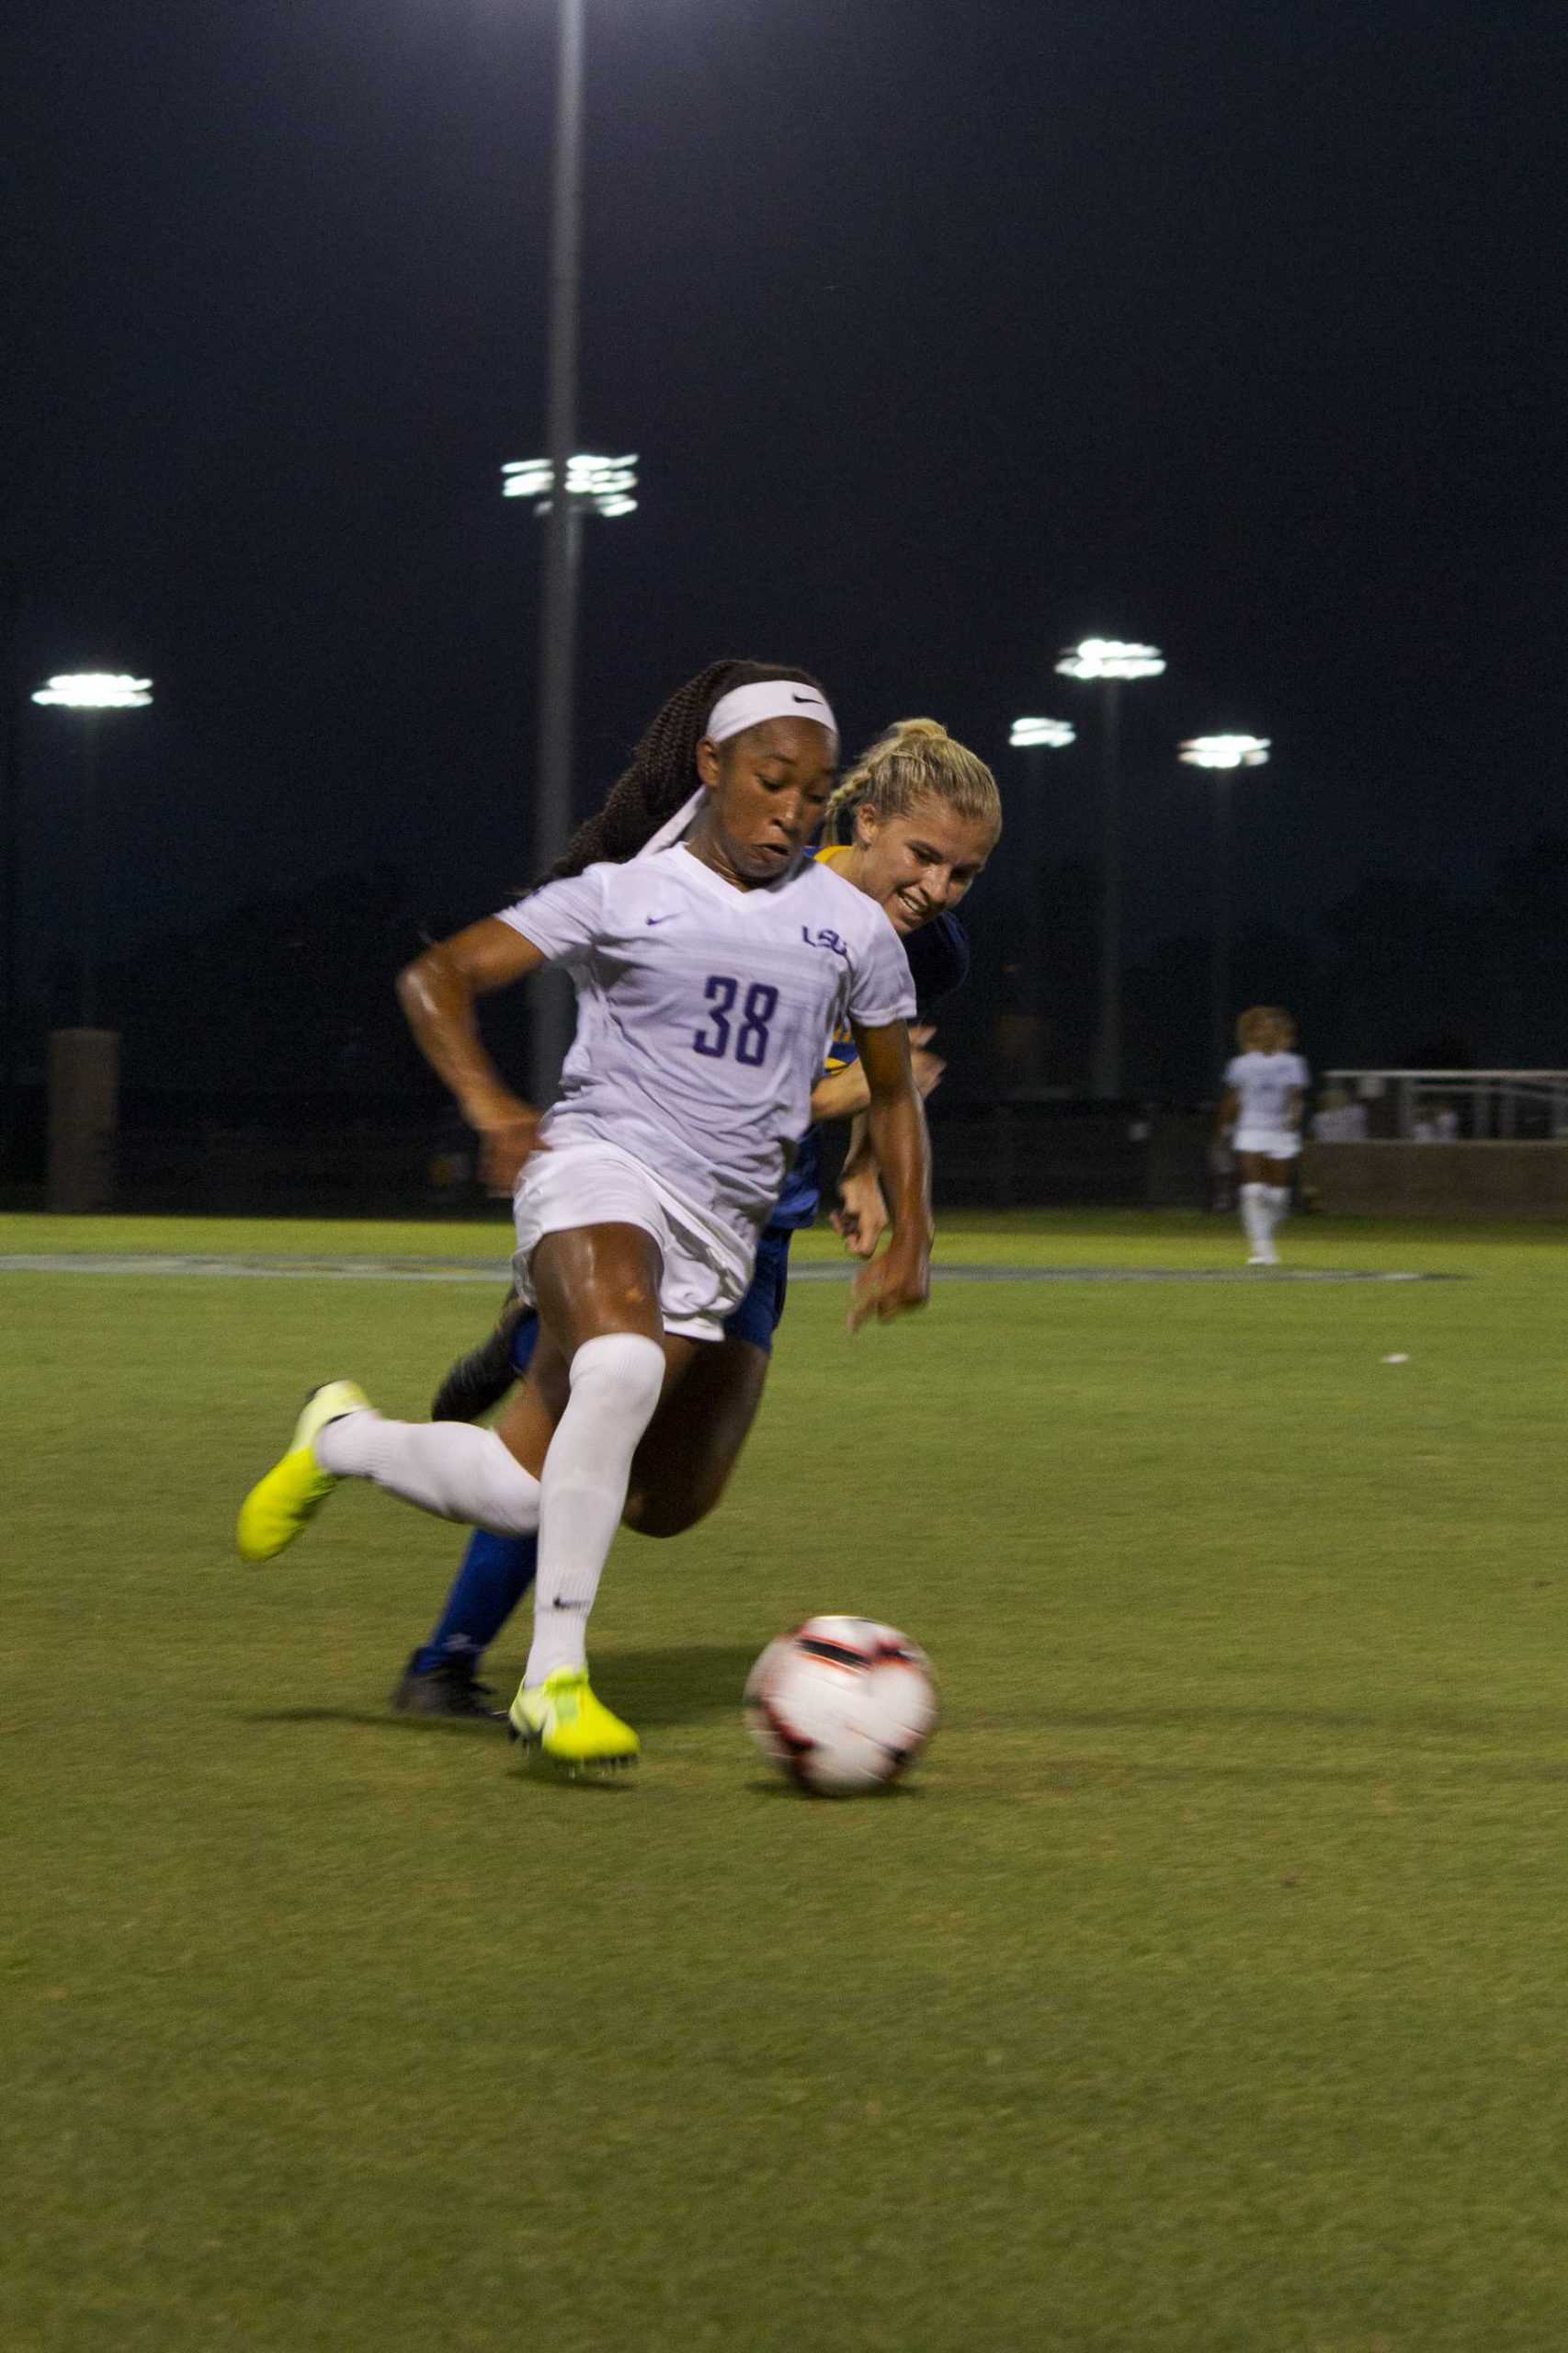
623,1371
672,1512
648,1516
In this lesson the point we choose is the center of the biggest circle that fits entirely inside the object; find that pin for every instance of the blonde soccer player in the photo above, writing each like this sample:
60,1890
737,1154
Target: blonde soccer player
1260,1113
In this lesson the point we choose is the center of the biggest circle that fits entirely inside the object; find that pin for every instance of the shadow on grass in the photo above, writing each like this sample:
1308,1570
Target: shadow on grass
444,1727
650,1688
674,1686
889,1793
540,1773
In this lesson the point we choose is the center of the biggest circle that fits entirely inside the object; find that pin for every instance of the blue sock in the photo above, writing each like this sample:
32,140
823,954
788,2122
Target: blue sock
495,1573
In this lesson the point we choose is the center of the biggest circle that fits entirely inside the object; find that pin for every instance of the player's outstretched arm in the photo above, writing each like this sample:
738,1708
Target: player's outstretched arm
901,1278
861,1216
844,1094
438,993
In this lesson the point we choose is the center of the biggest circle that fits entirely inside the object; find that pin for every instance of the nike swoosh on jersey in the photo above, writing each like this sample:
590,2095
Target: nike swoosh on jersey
663,918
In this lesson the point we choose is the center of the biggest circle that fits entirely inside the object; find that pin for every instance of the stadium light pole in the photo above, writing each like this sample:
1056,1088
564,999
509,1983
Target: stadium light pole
90,693
550,1029
1221,755
1035,738
551,1011
606,484
1110,661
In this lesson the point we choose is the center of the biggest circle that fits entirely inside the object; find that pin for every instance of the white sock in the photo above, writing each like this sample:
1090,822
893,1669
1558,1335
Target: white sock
1255,1214
614,1382
450,1468
1277,1201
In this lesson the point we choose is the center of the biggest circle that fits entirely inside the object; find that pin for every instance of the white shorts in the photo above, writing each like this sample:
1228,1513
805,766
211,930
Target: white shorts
706,1269
1275,1144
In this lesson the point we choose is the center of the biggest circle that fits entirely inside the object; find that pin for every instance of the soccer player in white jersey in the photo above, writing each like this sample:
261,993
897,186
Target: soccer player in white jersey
917,817
709,977
1261,1108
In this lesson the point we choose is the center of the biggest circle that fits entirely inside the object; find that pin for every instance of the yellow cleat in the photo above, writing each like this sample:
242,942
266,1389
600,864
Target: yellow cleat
561,1717
295,1489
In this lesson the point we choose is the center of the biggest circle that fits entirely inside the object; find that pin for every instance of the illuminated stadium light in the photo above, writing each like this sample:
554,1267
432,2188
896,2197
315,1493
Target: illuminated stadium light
1030,734
97,691
1108,657
1225,752
604,484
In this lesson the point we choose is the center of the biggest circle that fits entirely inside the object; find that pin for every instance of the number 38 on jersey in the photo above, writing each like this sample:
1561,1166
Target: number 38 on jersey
741,1032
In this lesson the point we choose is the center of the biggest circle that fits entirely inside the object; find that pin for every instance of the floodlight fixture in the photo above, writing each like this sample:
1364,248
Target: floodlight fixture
97,691
1033,734
604,484
1109,657
1225,752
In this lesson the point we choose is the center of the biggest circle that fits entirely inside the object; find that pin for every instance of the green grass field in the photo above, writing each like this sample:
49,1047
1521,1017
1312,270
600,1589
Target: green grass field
1205,1991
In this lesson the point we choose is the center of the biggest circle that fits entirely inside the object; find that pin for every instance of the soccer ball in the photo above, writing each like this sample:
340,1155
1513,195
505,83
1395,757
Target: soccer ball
842,1704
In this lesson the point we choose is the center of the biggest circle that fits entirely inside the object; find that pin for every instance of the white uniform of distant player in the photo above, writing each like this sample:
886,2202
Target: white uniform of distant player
703,1014
1266,1087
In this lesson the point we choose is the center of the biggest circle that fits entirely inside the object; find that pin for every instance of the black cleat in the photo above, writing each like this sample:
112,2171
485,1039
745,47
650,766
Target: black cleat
481,1379
451,1689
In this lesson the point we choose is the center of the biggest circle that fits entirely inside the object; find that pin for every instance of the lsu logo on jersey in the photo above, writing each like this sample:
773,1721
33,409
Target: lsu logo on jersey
828,939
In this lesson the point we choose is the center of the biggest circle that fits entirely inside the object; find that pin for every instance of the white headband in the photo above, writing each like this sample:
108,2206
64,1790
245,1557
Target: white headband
771,699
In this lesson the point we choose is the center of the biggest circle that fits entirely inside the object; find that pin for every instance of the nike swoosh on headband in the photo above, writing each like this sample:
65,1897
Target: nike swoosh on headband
748,705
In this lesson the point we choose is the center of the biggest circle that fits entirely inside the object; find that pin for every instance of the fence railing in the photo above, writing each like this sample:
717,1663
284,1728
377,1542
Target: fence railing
1458,1106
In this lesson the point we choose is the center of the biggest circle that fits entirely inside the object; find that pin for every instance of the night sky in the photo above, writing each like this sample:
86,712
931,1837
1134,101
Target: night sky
946,334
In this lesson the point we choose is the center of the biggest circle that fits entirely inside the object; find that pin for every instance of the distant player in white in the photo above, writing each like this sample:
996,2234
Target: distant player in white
710,977
1265,1087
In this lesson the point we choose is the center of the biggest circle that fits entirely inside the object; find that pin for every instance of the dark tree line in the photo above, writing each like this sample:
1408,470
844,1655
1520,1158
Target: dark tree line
1392,975
294,992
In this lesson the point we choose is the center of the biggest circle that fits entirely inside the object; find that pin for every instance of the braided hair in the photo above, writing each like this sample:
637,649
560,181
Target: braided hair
663,771
912,761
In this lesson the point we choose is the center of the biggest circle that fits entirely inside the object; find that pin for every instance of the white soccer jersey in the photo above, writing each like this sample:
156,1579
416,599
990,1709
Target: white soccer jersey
1264,1085
703,1014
